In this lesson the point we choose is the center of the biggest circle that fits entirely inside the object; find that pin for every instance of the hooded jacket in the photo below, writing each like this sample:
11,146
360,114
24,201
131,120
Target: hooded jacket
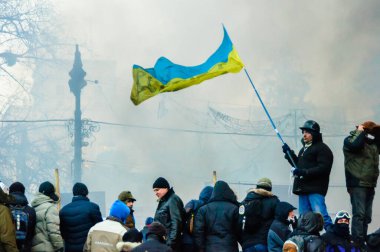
170,213
77,218
361,160
7,229
268,207
216,223
279,231
306,236
315,162
22,201
47,236
191,209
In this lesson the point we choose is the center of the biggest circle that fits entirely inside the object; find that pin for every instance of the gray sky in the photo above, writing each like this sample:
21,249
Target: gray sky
320,57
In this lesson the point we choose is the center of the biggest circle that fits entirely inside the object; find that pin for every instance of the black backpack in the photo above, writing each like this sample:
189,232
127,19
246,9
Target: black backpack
250,215
21,220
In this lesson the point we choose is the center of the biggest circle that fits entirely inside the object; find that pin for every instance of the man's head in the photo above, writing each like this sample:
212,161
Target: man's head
310,130
80,189
127,198
161,187
264,183
342,217
17,187
47,189
157,229
119,210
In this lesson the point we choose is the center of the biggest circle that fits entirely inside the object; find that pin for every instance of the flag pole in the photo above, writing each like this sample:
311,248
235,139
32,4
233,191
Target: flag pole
270,118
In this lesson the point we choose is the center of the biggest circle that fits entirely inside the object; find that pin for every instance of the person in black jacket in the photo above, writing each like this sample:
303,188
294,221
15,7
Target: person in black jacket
155,240
169,212
216,225
284,223
191,209
77,217
17,190
312,171
255,239
338,238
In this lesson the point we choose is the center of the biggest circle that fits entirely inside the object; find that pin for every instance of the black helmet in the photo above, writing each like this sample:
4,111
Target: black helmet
311,125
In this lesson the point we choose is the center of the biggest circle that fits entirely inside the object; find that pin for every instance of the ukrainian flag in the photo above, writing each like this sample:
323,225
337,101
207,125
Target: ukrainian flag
168,77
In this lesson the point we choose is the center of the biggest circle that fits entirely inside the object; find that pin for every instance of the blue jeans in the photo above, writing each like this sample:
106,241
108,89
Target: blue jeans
256,248
314,202
361,201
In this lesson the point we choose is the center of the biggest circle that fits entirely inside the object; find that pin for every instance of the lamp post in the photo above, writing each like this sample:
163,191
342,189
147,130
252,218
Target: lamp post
76,83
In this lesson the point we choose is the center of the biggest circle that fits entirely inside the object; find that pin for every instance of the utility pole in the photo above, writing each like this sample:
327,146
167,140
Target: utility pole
76,83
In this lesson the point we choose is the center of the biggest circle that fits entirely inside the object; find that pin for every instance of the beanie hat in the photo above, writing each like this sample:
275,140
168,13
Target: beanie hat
132,235
17,187
157,228
119,210
80,189
47,188
126,195
161,183
264,183
149,221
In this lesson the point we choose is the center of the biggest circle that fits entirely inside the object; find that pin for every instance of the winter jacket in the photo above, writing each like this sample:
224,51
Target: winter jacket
104,236
361,160
337,243
216,223
279,231
76,219
22,201
170,213
47,235
373,241
191,209
268,207
306,236
130,221
153,244
7,228
315,162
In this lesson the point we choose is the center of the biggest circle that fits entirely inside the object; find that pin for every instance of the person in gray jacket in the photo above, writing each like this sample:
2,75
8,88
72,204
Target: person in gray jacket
48,236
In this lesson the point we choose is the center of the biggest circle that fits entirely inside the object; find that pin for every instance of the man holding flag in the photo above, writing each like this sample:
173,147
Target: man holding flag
312,171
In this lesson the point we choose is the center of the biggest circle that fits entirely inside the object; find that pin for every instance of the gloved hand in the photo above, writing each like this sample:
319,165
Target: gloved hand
298,172
286,148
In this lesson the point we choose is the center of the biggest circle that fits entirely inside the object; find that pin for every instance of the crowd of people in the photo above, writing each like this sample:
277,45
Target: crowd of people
216,221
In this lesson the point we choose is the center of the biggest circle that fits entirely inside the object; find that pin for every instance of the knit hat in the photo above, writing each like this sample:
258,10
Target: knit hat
157,229
17,187
80,189
264,183
161,183
47,188
126,195
149,221
119,210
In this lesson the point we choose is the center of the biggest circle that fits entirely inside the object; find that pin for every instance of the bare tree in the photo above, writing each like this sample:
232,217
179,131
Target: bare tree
26,35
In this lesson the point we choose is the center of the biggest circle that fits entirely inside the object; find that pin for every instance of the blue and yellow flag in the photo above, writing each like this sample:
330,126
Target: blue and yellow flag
168,77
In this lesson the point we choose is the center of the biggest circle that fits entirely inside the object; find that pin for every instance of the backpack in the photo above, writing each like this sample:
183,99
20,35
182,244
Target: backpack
21,220
189,220
250,215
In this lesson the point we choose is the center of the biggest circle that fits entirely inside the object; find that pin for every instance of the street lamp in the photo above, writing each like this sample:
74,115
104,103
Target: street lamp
76,83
